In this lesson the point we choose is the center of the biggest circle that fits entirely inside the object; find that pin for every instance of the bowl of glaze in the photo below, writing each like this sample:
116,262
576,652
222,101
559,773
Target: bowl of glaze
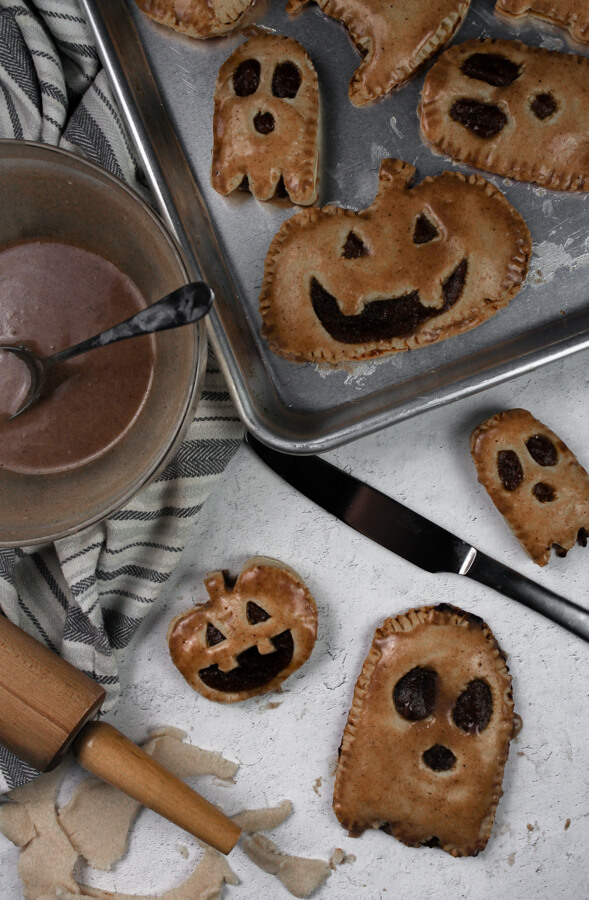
50,196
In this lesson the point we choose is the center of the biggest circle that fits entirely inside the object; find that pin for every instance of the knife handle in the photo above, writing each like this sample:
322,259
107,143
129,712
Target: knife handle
505,580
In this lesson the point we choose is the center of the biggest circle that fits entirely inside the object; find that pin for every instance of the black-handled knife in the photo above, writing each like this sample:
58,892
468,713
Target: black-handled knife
410,535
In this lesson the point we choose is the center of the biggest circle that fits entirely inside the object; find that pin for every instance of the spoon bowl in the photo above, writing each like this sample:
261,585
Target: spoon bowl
185,305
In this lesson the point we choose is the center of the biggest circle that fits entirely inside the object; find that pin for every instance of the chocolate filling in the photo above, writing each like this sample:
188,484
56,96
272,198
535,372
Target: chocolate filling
509,469
382,320
493,68
214,636
543,106
474,707
582,536
439,758
255,613
424,231
542,450
354,247
483,119
415,693
543,492
246,78
286,80
264,122
253,670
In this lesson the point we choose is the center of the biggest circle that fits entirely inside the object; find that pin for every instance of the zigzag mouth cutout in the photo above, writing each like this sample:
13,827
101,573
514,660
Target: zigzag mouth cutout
382,320
254,669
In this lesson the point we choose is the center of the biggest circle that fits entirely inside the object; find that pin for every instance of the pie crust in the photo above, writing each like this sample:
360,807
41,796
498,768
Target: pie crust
382,779
242,145
444,256
511,109
534,480
570,15
196,18
395,38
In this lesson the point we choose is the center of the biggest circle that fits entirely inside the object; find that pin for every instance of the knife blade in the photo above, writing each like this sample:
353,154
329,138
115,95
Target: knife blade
411,536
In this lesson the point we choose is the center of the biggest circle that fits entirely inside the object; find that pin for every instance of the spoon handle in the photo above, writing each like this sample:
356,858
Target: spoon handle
186,304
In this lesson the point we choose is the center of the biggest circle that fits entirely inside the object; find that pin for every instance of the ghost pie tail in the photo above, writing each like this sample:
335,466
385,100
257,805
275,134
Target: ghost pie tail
426,741
419,265
534,481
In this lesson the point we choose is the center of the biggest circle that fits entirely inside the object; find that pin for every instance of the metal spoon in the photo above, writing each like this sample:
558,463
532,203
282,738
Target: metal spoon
187,304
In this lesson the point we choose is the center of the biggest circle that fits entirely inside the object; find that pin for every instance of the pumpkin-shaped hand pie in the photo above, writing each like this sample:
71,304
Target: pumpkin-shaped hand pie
419,265
427,737
196,18
250,636
535,481
266,121
395,38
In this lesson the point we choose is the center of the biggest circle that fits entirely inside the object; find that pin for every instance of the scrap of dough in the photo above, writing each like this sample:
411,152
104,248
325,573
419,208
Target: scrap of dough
298,875
264,819
47,861
93,798
16,824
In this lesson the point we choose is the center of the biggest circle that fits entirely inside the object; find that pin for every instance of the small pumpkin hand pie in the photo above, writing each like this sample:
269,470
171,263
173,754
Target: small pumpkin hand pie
250,635
266,121
512,109
535,481
419,265
395,38
426,741
570,15
196,18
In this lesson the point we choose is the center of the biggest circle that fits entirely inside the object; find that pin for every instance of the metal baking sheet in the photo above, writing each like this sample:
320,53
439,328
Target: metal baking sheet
164,82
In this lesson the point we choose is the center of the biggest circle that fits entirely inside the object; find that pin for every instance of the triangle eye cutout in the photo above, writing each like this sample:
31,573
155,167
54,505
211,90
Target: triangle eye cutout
255,613
214,636
354,247
424,231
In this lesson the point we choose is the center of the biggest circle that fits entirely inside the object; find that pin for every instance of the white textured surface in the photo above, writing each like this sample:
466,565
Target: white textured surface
289,748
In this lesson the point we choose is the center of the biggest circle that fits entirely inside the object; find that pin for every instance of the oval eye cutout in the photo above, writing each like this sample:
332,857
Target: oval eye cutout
354,247
415,693
439,758
255,613
264,122
493,68
509,469
543,106
474,708
544,493
214,636
542,450
484,119
286,80
424,231
246,78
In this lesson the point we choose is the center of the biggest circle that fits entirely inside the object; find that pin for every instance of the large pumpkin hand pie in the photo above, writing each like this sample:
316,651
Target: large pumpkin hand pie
250,636
535,481
512,109
395,38
426,741
419,265
266,121
196,18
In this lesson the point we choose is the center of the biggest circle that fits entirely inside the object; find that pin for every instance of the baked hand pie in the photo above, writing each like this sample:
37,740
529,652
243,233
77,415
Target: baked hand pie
250,635
266,121
419,265
512,109
395,38
535,481
196,18
570,15
426,741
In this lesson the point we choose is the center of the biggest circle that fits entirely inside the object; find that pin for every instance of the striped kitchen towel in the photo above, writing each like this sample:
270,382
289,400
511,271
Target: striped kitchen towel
85,595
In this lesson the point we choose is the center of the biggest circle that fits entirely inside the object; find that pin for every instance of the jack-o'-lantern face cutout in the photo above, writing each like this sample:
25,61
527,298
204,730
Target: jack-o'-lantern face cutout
266,121
419,265
250,636
424,749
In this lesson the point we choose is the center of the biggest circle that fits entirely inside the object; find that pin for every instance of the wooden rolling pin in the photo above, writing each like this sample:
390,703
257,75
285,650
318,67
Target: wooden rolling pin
46,708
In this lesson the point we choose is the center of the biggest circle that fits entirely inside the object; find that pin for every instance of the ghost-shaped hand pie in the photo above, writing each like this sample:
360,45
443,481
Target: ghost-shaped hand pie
395,38
512,109
196,18
570,15
426,741
535,481
419,265
250,635
266,121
